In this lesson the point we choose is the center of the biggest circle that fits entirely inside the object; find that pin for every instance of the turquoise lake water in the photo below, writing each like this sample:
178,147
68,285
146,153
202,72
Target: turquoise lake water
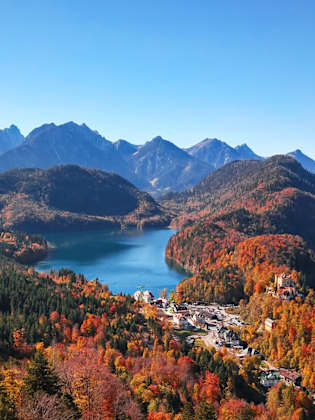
124,260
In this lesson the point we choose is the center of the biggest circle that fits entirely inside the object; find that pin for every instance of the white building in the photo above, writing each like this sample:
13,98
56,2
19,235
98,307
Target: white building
146,296
269,378
269,324
180,321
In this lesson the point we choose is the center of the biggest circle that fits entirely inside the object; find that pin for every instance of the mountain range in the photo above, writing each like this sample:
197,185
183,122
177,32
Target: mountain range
218,153
158,166
167,167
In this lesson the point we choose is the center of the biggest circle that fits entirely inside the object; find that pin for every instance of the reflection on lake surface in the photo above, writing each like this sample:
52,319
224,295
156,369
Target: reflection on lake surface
122,259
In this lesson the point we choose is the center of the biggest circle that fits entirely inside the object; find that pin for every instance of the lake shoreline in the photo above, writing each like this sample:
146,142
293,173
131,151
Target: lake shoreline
122,259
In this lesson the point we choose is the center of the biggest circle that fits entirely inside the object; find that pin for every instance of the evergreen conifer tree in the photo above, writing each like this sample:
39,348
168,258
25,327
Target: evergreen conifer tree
7,408
41,377
205,411
188,412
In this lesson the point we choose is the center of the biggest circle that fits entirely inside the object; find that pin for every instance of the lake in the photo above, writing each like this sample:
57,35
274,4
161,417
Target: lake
124,260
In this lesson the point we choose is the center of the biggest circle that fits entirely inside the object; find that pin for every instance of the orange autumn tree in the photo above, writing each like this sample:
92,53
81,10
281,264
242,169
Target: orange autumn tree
209,388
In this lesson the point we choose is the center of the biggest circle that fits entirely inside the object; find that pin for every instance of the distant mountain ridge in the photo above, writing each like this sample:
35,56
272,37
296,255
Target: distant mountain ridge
68,143
218,153
125,149
158,166
167,167
304,160
9,138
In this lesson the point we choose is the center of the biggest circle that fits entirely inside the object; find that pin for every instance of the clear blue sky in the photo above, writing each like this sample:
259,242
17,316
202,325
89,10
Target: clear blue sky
239,70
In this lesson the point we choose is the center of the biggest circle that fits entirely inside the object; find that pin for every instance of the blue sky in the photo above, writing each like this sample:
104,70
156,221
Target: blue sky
238,70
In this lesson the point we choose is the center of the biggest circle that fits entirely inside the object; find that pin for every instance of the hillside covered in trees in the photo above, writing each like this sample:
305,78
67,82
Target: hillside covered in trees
273,196
240,201
23,247
244,224
70,197
72,350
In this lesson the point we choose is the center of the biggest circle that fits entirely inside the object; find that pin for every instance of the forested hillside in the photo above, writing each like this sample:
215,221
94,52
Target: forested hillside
23,247
245,223
70,349
70,197
239,201
273,196
77,351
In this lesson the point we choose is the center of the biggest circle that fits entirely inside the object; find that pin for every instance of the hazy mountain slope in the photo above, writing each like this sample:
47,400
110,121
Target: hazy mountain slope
71,197
218,153
214,152
9,138
125,148
245,153
158,166
304,160
167,167
68,143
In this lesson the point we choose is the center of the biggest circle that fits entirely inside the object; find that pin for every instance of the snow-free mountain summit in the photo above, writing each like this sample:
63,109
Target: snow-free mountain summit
158,166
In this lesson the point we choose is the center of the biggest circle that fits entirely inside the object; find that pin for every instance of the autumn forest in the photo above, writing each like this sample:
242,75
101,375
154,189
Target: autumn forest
70,349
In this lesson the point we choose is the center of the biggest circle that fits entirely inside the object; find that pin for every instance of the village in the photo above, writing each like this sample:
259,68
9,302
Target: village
218,326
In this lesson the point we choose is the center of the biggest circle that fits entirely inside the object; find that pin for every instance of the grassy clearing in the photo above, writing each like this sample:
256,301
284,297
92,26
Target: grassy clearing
187,333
